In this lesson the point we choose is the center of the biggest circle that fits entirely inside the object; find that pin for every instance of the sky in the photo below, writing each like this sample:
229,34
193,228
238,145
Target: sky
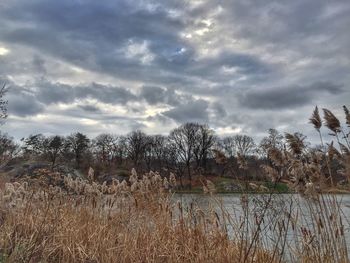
241,66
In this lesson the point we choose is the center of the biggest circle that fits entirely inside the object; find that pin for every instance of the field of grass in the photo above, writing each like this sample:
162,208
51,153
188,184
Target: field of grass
83,221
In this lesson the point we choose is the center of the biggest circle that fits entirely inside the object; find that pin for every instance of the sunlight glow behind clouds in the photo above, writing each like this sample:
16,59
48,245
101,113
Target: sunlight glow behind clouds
3,51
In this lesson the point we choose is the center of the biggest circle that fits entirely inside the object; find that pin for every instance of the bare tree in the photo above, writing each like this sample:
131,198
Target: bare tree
273,140
173,162
52,147
33,145
154,151
78,144
105,148
204,141
183,139
245,144
136,144
8,148
159,150
120,149
229,146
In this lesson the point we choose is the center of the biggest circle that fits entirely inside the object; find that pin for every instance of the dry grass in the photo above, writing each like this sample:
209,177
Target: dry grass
117,223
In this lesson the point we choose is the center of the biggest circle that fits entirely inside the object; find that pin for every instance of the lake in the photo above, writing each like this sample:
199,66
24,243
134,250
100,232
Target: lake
234,211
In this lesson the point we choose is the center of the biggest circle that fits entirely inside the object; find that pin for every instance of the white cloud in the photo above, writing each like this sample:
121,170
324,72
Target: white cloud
139,51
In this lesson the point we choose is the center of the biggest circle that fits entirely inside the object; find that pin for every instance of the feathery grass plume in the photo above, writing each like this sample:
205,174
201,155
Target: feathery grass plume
271,172
310,191
295,142
315,119
220,157
172,179
347,115
331,121
134,186
276,156
333,152
345,150
91,174
254,186
166,184
263,188
211,186
133,176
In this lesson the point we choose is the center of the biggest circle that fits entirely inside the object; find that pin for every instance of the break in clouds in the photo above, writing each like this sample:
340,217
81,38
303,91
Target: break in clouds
115,66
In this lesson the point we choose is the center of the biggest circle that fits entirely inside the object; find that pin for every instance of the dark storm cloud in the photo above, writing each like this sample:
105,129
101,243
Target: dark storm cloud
94,36
32,98
89,108
219,110
48,93
154,95
242,63
288,97
196,111
91,34
23,102
24,105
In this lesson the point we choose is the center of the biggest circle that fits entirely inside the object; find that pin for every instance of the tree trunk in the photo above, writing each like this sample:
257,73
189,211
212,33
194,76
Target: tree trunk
189,175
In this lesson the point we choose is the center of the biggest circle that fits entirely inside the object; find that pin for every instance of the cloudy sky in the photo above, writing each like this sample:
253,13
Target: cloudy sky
242,66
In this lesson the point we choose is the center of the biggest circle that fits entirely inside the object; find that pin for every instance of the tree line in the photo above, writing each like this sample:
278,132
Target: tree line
188,150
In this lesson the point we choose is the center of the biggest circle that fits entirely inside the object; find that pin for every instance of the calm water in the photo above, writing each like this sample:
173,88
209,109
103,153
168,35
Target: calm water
280,206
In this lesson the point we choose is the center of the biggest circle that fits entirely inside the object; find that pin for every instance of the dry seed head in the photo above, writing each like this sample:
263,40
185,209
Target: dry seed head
345,150
16,185
310,190
9,189
271,172
205,189
331,121
263,188
315,119
166,184
124,186
220,157
295,143
104,187
276,156
211,186
91,173
172,180
134,187
254,186
157,179
133,176
333,152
